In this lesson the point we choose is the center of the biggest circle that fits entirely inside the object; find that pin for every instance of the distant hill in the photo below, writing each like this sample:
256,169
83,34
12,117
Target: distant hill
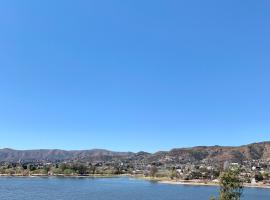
11,155
253,151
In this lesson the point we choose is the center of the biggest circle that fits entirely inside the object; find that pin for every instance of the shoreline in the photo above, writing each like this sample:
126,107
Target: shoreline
158,180
197,182
63,176
201,183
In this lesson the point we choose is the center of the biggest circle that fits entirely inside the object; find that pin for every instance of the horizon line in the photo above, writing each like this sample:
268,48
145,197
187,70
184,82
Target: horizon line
104,149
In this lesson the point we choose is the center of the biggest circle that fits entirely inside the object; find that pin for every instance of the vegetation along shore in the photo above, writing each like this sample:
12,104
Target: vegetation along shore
197,165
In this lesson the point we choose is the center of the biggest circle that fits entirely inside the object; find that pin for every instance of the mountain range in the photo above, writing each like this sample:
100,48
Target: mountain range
255,151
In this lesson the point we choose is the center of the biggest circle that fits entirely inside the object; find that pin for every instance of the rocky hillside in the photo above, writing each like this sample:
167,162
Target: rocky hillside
11,155
253,151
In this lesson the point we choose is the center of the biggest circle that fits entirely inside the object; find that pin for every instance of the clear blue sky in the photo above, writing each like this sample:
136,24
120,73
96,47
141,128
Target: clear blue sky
133,75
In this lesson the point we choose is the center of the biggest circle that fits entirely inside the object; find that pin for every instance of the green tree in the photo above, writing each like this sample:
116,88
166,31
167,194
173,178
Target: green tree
153,171
63,167
68,171
79,168
231,185
173,173
93,169
258,176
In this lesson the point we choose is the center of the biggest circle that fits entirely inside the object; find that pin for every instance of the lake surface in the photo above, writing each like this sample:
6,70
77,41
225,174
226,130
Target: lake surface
108,189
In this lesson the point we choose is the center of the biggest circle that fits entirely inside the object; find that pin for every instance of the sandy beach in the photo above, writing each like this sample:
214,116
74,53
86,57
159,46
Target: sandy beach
208,183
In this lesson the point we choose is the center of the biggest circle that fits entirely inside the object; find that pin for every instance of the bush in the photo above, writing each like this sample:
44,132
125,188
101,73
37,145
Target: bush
231,185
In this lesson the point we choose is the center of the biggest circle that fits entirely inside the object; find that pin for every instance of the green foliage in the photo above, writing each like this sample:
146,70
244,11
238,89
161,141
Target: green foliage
153,171
63,166
212,198
258,176
231,186
57,171
265,175
173,174
31,167
68,171
93,169
163,174
216,173
37,171
79,168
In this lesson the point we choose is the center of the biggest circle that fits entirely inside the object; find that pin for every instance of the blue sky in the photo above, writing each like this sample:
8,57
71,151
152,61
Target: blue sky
133,75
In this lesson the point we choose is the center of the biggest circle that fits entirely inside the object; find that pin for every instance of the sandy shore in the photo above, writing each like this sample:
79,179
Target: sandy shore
207,183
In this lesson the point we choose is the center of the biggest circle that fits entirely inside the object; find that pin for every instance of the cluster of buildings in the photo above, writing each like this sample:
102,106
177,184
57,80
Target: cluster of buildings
252,171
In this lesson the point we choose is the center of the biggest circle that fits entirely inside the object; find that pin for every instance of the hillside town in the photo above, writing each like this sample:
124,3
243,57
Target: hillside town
186,165
253,172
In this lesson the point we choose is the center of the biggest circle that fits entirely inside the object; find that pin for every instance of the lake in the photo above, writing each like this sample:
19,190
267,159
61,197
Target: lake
123,188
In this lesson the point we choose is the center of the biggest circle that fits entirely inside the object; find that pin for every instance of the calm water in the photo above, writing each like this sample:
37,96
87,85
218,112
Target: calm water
107,189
